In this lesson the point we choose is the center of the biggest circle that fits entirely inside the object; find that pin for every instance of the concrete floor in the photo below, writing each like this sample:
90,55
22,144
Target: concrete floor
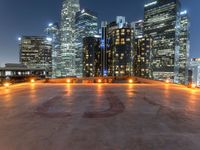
99,117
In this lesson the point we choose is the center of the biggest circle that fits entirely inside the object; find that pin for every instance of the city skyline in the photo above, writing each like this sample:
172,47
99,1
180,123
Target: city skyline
99,74
8,41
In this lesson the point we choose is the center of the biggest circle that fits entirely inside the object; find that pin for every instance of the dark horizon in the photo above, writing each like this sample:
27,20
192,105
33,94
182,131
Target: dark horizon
30,18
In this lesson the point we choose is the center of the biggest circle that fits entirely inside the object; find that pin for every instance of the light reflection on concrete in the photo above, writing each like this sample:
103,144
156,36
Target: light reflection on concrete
163,117
33,96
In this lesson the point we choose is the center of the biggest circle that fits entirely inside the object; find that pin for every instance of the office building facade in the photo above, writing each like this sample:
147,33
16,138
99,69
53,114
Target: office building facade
92,55
36,52
141,57
162,23
120,48
67,37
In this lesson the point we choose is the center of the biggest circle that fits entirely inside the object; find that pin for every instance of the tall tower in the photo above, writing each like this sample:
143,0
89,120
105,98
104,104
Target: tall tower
119,46
184,40
67,39
92,56
162,23
53,33
141,56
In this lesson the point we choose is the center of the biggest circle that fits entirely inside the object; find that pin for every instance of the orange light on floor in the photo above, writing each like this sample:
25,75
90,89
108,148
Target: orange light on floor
167,81
32,81
99,81
68,81
193,85
6,84
130,81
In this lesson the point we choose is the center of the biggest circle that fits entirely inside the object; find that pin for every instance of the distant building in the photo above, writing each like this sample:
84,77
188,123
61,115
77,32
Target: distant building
121,21
17,71
138,28
119,48
141,59
109,36
53,33
194,70
86,25
92,63
111,54
36,52
67,32
184,40
162,23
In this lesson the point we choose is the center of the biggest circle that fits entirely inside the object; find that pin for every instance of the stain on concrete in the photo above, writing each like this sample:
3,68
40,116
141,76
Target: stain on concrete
47,109
115,107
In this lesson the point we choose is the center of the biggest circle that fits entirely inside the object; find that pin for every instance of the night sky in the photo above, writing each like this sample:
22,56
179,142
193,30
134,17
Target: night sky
29,17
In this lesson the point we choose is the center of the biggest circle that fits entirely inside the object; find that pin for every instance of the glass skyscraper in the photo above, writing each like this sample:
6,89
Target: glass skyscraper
53,33
162,23
184,40
86,25
67,39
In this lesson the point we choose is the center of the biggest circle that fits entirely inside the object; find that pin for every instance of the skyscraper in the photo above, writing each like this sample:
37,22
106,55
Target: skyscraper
53,32
92,63
86,25
162,23
120,48
184,40
35,52
141,59
67,32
